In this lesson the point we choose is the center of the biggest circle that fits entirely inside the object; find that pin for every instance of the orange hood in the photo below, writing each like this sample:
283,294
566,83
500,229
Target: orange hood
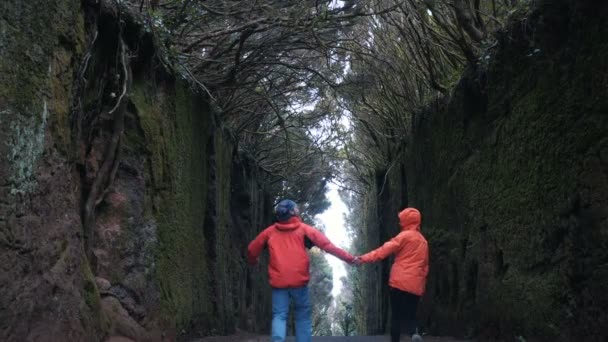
409,219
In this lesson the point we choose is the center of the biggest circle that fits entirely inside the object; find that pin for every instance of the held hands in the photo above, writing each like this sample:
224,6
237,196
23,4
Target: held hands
357,261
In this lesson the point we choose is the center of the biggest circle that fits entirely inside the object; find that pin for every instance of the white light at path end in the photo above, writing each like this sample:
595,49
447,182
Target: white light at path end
335,230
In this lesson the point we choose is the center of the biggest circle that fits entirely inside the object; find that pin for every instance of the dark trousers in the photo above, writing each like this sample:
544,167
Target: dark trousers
403,307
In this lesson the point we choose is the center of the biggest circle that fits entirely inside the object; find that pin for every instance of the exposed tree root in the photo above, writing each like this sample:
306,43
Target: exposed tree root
107,172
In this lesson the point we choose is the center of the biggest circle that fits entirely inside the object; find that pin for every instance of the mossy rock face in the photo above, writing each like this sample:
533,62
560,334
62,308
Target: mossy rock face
511,181
169,235
509,173
43,278
202,228
176,129
36,68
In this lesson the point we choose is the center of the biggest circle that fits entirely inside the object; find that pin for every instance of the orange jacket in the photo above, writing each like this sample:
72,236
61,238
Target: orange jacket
411,266
289,264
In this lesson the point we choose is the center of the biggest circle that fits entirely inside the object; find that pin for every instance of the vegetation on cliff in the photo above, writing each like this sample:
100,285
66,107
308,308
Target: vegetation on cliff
499,162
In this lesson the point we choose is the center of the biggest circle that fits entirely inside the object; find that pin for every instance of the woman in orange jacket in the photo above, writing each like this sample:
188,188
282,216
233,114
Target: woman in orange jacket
408,273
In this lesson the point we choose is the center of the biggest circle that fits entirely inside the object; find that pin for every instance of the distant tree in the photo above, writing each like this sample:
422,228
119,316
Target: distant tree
344,320
320,287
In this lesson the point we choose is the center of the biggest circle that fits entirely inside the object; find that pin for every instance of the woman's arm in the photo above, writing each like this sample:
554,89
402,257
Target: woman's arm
390,247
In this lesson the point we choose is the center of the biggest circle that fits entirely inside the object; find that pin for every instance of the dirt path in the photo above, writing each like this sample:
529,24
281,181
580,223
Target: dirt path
258,338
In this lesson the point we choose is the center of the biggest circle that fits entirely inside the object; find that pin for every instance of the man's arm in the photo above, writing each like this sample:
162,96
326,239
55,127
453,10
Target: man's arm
383,251
323,242
256,246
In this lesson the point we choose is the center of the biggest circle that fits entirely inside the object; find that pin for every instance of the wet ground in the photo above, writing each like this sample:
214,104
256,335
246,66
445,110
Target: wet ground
258,338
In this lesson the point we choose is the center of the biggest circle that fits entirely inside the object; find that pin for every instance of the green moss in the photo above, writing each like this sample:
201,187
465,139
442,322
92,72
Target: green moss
61,93
91,293
97,321
224,264
35,92
157,130
175,130
507,179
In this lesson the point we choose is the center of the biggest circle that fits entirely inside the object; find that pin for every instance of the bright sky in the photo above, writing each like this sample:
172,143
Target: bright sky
335,230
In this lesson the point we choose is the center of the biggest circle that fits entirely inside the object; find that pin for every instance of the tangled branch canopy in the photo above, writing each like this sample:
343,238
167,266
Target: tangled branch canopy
306,86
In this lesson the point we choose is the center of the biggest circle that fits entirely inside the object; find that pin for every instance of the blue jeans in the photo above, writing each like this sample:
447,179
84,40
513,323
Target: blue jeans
280,310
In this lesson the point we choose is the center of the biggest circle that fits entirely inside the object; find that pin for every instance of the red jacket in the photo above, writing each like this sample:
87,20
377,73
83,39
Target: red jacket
288,266
411,265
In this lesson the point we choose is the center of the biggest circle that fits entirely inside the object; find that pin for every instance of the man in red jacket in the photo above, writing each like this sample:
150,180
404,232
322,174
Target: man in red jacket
288,267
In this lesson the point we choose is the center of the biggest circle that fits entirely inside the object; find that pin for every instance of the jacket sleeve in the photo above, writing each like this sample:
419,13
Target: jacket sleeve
382,252
321,241
256,246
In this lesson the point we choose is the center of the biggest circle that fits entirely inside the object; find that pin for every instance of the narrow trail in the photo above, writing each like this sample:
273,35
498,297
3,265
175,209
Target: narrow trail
258,338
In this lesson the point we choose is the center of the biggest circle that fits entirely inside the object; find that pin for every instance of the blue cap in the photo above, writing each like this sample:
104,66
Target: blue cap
285,209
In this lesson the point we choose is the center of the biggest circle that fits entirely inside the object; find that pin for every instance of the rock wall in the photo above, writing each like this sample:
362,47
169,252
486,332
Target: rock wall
43,273
511,175
379,223
161,255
